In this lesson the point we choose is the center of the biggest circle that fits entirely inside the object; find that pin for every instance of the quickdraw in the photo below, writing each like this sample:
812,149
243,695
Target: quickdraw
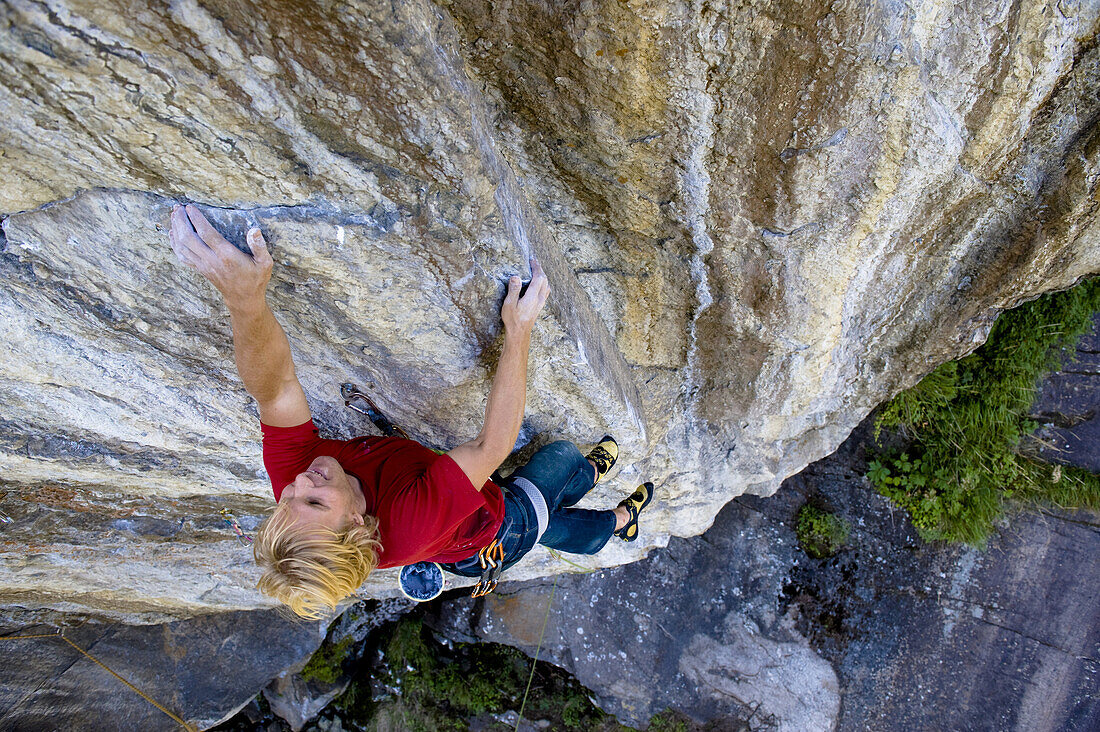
491,560
351,394
242,538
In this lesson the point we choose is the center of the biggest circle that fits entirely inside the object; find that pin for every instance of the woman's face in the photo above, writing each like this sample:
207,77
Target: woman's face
324,495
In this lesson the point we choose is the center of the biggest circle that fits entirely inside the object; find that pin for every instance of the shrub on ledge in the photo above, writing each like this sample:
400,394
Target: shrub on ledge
820,533
964,422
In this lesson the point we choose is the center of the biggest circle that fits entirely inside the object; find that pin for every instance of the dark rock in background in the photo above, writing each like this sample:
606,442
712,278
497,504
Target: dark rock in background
920,636
696,626
933,637
1068,405
296,698
202,669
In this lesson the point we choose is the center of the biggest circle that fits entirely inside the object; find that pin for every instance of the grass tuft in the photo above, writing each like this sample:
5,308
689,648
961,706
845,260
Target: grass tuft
821,534
964,422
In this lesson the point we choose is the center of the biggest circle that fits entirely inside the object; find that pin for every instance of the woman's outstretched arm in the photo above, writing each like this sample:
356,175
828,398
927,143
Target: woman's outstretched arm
508,395
260,346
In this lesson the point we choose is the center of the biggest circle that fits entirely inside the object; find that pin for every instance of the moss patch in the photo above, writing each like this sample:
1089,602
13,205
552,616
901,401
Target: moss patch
327,663
820,533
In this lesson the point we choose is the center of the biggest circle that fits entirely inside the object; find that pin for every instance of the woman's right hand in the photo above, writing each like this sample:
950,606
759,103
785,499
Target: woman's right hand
241,279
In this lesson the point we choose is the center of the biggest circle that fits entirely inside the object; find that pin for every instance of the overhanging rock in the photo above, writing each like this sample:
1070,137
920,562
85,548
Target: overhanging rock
759,222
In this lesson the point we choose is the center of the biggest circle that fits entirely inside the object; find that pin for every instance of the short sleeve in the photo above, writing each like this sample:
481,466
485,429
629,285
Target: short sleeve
288,451
433,506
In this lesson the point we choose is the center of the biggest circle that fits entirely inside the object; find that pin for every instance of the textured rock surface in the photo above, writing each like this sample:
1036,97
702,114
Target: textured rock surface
760,220
905,635
202,669
1068,407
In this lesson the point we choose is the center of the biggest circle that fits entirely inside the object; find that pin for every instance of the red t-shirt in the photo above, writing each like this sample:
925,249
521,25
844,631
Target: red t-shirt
426,507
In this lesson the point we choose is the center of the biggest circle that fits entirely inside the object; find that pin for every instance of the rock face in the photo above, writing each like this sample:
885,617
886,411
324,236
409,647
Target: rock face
1068,408
890,634
759,220
201,670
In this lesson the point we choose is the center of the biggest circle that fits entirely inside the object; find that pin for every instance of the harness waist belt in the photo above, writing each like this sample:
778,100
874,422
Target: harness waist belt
538,502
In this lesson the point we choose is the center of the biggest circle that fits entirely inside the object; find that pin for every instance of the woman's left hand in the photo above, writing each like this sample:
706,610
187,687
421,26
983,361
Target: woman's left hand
520,313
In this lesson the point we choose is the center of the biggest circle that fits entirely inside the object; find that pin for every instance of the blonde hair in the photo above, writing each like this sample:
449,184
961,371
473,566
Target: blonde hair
309,568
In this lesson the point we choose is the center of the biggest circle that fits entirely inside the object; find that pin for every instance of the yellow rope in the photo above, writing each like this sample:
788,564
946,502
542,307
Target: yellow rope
537,650
581,568
107,668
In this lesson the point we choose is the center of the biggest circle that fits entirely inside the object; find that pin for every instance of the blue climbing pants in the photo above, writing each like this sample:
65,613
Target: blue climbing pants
558,475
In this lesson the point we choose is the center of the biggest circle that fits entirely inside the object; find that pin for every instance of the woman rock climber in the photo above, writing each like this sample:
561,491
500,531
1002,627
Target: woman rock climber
347,507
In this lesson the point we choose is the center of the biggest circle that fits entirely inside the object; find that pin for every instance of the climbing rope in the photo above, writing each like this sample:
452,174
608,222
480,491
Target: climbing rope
580,568
108,669
538,649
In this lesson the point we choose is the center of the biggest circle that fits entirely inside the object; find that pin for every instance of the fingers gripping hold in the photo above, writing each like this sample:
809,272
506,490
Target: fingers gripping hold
241,279
258,247
514,287
186,244
206,231
522,304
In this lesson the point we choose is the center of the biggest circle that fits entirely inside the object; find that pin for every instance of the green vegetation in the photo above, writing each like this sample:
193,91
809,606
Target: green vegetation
327,663
433,687
669,721
820,533
414,683
963,426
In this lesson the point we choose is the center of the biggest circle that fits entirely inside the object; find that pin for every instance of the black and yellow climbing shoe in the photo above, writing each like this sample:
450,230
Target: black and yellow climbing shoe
604,456
638,500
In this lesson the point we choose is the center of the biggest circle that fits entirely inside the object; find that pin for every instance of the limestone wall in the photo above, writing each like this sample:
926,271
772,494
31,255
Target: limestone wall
760,220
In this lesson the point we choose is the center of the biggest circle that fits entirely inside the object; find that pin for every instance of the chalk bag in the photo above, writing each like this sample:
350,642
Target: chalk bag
422,581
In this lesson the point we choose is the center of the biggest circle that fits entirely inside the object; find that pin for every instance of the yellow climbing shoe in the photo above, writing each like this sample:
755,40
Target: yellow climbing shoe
637,501
604,456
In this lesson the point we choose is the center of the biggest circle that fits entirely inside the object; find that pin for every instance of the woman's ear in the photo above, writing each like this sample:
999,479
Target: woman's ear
357,518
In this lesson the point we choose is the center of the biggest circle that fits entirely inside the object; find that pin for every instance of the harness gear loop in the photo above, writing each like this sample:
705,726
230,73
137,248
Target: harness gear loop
491,560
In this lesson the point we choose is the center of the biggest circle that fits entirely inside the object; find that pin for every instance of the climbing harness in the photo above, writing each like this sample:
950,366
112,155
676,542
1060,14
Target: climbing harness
182,722
242,538
351,394
491,561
